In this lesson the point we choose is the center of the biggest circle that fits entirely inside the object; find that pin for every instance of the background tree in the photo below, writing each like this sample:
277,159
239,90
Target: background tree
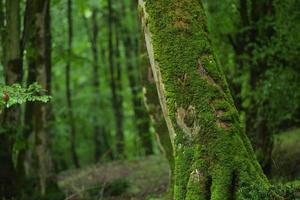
10,118
68,87
100,133
115,77
129,40
40,61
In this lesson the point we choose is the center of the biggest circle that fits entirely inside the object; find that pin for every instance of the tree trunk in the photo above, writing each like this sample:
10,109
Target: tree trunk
68,88
96,85
119,87
100,134
2,31
40,60
213,156
114,85
141,116
13,71
28,155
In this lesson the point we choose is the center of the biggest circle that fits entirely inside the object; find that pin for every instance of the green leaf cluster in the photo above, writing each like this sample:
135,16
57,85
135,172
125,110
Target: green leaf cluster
16,94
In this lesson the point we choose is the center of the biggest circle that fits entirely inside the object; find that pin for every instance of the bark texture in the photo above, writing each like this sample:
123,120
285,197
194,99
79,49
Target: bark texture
213,156
10,119
26,155
2,31
40,61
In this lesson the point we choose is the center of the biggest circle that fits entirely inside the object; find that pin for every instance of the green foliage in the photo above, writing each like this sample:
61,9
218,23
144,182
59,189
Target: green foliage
285,155
16,94
275,94
278,97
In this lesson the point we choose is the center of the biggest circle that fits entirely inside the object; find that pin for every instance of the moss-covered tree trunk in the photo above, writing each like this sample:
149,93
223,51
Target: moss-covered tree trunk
213,156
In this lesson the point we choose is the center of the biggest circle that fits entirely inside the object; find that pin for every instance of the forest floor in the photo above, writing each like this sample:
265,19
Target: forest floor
143,179
147,178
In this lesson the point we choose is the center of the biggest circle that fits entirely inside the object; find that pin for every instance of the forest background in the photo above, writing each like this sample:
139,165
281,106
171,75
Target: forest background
91,59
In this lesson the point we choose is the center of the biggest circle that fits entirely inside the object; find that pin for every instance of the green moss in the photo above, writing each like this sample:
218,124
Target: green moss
219,149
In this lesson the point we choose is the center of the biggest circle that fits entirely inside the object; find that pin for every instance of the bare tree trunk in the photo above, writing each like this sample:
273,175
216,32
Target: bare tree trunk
13,71
100,134
114,76
119,87
96,84
68,88
142,119
28,155
40,62
2,32
213,156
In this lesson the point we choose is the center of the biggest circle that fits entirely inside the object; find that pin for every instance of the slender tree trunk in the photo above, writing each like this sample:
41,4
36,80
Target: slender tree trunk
100,134
119,87
213,156
115,86
25,158
68,88
2,31
11,117
142,118
96,85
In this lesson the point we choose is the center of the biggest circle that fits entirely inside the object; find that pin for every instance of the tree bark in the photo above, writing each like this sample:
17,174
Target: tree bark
25,159
213,156
71,119
40,62
13,71
2,31
114,85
